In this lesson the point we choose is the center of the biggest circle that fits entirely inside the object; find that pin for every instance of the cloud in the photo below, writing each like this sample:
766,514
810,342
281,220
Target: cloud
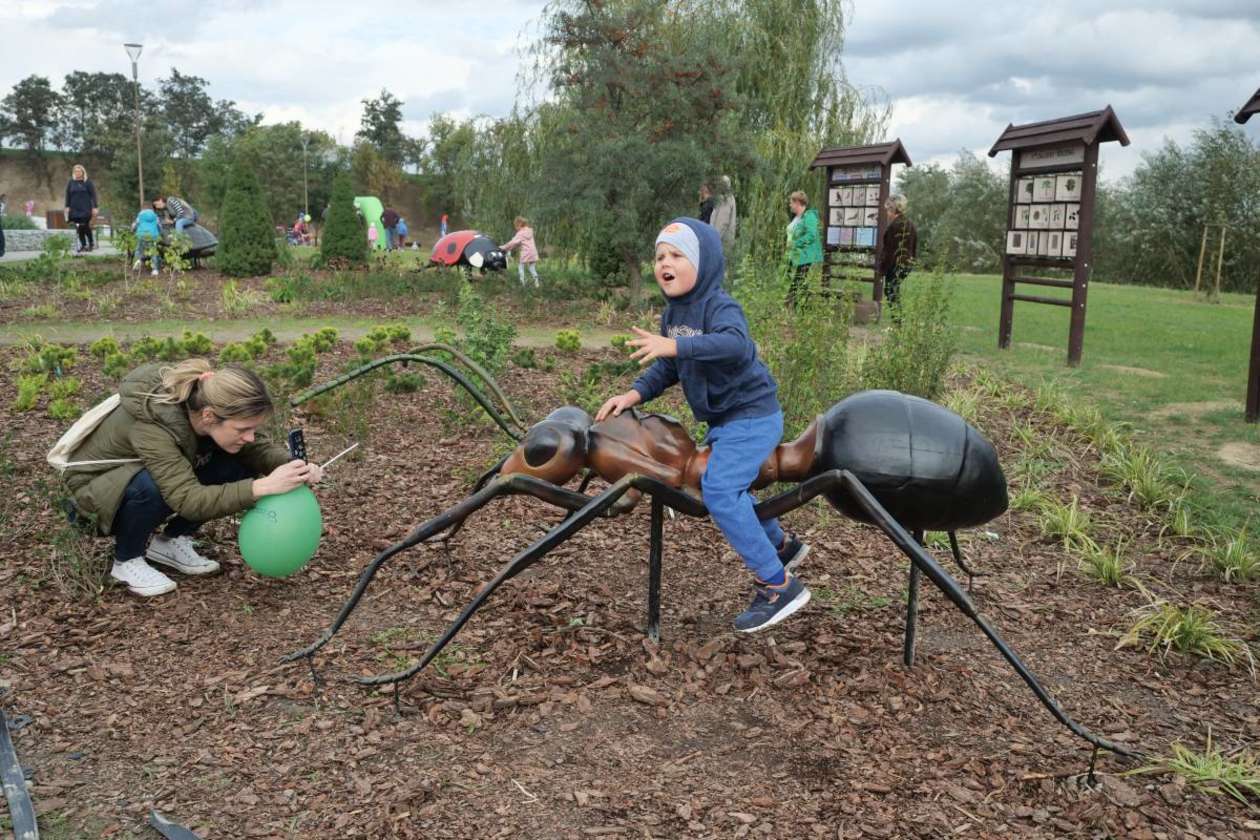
308,60
956,78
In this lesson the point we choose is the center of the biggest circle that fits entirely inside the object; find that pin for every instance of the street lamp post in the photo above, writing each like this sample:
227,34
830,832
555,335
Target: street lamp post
306,196
133,50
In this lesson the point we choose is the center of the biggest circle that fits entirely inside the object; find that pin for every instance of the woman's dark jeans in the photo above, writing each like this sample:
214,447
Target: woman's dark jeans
87,239
143,509
798,282
892,284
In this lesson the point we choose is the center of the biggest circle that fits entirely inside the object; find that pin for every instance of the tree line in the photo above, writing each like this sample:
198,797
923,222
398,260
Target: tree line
626,107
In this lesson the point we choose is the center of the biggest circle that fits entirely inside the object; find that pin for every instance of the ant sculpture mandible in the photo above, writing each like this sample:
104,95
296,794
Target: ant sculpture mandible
894,461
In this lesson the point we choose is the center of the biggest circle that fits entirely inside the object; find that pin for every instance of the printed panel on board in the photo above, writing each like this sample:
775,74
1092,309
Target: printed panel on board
1068,187
1016,241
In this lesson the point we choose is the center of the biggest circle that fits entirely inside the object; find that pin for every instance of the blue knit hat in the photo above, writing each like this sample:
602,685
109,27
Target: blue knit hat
684,239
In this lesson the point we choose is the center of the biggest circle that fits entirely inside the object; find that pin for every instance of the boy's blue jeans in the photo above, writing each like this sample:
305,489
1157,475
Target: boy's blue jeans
738,449
143,509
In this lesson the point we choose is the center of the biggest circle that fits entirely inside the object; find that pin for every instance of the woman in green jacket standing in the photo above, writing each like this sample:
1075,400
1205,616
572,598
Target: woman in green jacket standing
804,241
183,441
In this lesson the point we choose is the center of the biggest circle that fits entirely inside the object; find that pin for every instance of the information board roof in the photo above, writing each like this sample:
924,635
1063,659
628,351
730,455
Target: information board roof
1095,127
881,153
1252,107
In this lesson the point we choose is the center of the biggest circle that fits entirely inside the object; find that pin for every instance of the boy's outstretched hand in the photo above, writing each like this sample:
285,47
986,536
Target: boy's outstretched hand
651,346
616,405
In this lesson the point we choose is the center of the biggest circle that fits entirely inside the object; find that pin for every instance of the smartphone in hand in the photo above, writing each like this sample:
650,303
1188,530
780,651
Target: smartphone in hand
297,445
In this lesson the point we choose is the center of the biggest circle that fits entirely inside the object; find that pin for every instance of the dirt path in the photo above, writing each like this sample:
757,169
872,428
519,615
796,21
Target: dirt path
285,329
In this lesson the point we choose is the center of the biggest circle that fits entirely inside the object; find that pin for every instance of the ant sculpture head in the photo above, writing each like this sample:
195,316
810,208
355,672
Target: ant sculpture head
555,449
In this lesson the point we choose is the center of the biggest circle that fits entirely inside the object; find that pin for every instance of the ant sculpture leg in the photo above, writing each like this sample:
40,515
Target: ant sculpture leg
830,482
912,608
595,506
511,426
449,519
957,552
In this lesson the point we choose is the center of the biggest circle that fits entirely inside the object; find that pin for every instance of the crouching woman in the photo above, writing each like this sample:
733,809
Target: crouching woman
183,445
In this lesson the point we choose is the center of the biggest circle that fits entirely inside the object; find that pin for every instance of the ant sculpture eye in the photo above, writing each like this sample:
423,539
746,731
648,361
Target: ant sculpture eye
542,444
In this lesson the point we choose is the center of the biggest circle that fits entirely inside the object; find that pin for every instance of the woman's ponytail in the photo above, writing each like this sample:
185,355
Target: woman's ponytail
231,392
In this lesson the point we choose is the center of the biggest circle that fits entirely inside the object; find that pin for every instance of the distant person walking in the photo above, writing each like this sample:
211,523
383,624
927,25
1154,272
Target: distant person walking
898,250
402,232
706,204
2,207
723,219
804,243
81,206
524,240
390,219
442,226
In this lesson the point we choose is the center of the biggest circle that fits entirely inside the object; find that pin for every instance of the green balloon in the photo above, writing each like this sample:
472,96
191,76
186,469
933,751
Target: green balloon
280,533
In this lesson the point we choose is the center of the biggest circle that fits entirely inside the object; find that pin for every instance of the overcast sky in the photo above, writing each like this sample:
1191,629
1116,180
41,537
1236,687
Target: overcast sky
954,80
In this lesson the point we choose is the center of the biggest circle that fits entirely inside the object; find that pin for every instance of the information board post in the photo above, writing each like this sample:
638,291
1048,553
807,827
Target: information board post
1050,214
1084,262
858,184
1252,106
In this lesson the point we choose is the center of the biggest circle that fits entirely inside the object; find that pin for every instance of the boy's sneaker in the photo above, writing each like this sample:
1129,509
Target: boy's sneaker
179,554
792,552
772,604
135,266
153,273
141,578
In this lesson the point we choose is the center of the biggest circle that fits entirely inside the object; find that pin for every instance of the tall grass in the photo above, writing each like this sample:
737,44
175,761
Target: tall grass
919,342
806,346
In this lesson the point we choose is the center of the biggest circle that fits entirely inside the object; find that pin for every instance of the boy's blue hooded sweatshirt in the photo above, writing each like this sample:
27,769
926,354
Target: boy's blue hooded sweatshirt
717,362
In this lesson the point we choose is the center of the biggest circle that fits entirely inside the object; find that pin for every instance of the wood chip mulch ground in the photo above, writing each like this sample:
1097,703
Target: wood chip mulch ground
551,716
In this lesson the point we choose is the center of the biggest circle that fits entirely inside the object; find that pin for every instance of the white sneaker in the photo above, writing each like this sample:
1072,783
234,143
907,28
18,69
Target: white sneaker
154,272
141,578
179,554
135,266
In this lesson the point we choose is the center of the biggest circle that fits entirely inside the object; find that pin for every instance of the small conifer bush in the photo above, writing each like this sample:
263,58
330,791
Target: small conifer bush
344,238
247,244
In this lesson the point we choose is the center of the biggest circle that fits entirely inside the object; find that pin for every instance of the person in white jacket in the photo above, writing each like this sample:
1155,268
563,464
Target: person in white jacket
723,218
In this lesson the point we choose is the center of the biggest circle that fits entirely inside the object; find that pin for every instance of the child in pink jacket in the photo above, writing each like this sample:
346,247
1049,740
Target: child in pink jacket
524,239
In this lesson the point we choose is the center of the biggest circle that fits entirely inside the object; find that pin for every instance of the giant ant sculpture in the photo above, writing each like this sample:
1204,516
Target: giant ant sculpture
881,457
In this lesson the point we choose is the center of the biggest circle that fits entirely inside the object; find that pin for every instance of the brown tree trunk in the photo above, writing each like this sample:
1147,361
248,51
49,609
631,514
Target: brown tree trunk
636,280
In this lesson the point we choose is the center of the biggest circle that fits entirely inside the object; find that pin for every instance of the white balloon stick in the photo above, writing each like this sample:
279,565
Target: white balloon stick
328,463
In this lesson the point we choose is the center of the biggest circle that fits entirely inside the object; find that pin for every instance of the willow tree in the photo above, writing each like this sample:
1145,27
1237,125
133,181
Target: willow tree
795,98
646,108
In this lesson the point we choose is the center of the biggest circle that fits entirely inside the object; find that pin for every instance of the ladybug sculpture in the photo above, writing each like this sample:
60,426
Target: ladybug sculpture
469,249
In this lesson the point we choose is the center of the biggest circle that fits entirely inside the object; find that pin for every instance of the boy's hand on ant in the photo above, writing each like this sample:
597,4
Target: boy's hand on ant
616,405
651,346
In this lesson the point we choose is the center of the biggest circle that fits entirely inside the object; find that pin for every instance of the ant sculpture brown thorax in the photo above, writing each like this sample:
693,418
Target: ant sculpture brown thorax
654,445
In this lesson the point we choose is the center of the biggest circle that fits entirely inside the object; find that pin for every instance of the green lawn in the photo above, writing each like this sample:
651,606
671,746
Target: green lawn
1172,367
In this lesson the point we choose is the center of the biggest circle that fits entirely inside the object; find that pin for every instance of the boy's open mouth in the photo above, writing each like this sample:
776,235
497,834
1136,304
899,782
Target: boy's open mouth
667,276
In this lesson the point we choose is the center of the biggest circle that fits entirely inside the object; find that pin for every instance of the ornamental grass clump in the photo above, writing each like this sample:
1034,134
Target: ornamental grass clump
1165,627
1212,771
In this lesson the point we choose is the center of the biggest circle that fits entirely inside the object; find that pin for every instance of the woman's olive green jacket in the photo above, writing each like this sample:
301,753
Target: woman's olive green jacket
159,434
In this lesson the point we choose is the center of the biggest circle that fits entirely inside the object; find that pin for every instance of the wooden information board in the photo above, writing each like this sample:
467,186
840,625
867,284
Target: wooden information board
1050,214
853,217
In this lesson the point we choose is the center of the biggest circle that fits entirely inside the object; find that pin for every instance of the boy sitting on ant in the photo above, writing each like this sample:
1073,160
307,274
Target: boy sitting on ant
704,344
